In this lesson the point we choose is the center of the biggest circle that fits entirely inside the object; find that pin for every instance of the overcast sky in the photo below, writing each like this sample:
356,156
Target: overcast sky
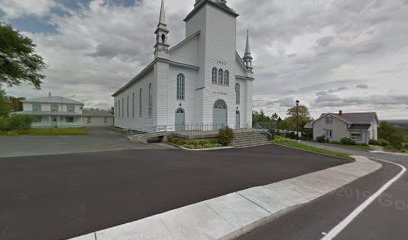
329,54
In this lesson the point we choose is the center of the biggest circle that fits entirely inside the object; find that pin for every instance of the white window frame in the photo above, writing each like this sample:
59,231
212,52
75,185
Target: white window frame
54,108
71,108
356,138
238,93
36,107
220,76
226,77
181,85
214,78
150,100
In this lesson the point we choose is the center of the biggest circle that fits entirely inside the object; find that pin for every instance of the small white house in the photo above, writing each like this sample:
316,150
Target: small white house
201,81
53,112
97,118
360,127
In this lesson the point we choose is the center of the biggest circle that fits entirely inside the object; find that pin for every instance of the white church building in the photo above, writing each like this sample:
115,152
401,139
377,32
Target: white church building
202,81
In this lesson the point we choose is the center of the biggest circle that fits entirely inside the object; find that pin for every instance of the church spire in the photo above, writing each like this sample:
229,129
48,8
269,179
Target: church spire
161,49
247,56
162,19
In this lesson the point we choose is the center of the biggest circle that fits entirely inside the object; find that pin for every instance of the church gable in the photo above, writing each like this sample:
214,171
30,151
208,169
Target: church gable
186,51
240,68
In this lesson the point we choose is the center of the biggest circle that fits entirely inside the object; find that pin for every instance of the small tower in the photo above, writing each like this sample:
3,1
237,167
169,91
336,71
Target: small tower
161,49
247,56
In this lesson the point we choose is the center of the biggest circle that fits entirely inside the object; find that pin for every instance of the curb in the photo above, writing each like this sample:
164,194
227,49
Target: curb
235,214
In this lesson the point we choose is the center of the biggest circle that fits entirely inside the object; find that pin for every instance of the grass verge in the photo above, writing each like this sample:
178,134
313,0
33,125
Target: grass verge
294,144
46,132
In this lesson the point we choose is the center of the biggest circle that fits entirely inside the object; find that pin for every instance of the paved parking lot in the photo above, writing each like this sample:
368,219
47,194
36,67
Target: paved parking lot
61,196
98,139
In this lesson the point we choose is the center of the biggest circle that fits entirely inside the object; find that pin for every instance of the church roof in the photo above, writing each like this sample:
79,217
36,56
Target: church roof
215,3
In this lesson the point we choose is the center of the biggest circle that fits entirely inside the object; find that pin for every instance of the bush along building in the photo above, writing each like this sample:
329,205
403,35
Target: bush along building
201,82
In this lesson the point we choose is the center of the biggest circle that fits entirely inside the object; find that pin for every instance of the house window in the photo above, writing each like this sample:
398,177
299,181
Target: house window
180,86
151,100
140,103
127,107
214,75
88,120
220,76
226,77
37,119
357,136
238,93
36,107
328,133
329,120
116,108
105,119
71,108
54,108
70,119
133,105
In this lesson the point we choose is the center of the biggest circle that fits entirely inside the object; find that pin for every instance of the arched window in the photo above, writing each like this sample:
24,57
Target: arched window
127,107
133,105
226,77
214,75
140,103
220,104
220,76
180,86
150,100
238,93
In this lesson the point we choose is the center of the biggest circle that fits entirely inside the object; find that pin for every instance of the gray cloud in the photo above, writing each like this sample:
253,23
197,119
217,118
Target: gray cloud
362,86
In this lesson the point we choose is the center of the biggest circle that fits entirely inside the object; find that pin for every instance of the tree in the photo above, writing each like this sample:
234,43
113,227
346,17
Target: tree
18,59
5,106
16,103
391,133
304,117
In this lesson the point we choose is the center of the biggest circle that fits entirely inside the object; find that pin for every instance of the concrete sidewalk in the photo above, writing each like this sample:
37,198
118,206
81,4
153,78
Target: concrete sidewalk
232,215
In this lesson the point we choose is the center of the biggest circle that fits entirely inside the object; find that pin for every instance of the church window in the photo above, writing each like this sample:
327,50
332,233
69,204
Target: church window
238,93
226,77
180,86
214,75
118,115
150,100
127,107
140,103
123,107
133,105
163,38
220,76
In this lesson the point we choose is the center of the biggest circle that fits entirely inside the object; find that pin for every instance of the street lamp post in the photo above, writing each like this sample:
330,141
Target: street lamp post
297,119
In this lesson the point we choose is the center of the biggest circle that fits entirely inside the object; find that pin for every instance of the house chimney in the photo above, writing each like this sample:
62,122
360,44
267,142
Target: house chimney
340,112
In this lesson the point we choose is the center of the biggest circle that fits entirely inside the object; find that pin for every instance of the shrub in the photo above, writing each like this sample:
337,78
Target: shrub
321,139
379,142
19,123
347,141
225,136
176,140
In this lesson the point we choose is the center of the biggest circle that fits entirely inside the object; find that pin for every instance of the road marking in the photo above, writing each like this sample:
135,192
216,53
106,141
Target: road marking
343,224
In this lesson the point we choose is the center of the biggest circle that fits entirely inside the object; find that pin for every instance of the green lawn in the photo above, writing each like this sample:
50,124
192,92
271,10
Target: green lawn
294,144
358,147
46,132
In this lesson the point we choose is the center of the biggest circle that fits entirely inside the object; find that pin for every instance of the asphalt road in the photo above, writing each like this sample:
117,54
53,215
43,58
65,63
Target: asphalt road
62,196
385,218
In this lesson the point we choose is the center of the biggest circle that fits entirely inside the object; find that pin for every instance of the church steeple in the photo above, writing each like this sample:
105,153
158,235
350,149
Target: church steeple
247,56
161,49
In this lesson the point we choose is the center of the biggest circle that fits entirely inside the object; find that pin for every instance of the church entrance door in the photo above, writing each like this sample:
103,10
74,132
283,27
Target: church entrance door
180,124
220,114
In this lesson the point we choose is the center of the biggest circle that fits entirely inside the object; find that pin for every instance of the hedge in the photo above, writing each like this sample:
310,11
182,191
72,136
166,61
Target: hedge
15,123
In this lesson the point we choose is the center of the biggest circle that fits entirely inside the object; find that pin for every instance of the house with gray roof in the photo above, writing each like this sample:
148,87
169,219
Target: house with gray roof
360,126
53,112
97,118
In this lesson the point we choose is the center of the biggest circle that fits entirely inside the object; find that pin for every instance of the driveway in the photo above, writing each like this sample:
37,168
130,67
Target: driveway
62,196
98,139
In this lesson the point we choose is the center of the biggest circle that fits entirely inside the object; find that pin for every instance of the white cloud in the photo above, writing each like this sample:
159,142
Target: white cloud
302,50
21,8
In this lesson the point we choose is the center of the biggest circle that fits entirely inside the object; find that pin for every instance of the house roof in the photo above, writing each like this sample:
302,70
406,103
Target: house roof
52,99
359,127
358,117
96,113
215,3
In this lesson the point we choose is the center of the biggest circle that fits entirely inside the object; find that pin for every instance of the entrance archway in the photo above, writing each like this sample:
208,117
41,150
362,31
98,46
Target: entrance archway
180,123
220,114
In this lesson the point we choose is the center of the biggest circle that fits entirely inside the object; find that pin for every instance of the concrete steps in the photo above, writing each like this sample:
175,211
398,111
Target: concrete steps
250,139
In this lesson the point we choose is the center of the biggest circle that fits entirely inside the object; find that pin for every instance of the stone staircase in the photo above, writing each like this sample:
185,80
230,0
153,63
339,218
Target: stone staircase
250,139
